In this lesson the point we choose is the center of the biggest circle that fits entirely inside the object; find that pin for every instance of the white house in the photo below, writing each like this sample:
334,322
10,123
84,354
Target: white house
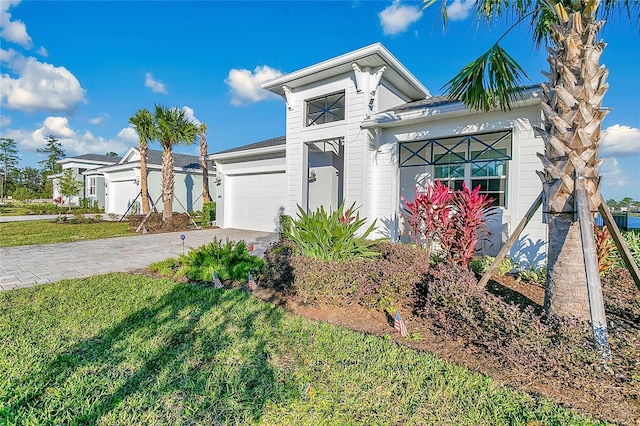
361,128
79,165
122,182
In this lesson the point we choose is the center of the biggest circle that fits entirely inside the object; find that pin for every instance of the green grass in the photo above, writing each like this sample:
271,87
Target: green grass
128,349
47,231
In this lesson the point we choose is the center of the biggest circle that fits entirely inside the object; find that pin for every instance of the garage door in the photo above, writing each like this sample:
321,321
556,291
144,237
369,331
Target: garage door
255,201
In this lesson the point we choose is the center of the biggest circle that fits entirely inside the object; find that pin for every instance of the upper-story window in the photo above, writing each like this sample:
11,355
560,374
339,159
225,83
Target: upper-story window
325,109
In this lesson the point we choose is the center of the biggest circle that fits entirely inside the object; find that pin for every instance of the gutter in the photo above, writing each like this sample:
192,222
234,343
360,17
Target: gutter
247,153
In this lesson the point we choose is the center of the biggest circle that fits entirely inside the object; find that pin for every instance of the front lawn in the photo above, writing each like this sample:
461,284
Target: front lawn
129,349
47,231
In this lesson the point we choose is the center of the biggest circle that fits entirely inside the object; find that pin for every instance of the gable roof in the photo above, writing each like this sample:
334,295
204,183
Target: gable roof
92,158
374,55
182,161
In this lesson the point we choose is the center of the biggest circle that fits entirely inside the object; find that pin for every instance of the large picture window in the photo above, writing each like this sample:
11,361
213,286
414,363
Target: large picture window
478,160
325,109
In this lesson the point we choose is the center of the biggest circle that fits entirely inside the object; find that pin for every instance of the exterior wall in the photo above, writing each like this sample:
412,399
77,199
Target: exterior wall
99,196
357,175
523,185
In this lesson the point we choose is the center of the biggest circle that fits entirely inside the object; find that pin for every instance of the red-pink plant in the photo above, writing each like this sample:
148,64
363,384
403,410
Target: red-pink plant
470,209
428,213
455,219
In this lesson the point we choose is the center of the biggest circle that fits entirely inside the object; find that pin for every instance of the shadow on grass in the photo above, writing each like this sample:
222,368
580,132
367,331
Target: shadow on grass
199,354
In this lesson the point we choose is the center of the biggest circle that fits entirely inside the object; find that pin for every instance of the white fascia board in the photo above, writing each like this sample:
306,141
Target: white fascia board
275,85
247,153
426,114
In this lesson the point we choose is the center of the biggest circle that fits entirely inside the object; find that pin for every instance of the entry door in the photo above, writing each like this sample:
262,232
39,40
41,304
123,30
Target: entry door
325,170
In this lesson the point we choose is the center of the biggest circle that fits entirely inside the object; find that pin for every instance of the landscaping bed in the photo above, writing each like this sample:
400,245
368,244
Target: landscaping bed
499,330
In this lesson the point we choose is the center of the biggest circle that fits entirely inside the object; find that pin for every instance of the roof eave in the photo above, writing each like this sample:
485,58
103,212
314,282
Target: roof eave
275,85
426,114
247,153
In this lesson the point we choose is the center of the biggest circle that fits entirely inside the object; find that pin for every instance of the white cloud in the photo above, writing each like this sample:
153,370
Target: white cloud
5,120
74,142
621,140
613,175
155,85
38,86
42,52
397,18
245,84
14,31
188,113
129,135
459,10
99,119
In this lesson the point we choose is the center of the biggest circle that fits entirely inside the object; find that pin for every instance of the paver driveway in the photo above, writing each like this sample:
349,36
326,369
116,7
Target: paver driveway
25,266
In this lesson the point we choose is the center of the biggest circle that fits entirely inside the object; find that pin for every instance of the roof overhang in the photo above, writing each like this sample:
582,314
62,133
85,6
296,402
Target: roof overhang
246,153
374,56
531,96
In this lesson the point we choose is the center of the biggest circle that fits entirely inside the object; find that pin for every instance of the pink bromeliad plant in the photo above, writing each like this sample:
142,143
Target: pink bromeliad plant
428,213
454,219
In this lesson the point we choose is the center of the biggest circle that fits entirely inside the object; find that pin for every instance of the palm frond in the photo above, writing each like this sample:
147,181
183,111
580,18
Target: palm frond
491,81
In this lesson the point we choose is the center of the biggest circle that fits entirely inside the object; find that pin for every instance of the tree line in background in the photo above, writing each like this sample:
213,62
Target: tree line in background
28,182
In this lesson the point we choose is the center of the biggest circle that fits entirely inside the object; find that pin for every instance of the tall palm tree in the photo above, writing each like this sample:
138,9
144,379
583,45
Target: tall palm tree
572,122
142,122
172,128
206,196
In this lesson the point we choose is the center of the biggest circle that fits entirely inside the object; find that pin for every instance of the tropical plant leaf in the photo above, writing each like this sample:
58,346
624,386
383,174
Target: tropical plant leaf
494,80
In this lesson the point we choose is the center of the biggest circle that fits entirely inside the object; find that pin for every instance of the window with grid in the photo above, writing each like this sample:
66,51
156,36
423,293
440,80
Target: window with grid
478,160
92,186
325,109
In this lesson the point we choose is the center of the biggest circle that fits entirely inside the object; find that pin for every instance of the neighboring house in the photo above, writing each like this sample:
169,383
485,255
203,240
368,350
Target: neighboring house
361,128
121,187
80,164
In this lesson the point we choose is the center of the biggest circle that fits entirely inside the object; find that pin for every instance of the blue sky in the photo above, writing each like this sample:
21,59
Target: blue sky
80,69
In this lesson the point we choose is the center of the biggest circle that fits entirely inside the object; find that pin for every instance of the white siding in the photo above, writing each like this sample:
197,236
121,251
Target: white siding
523,185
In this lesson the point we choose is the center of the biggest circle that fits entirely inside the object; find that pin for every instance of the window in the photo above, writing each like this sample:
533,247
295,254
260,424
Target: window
478,160
92,186
325,109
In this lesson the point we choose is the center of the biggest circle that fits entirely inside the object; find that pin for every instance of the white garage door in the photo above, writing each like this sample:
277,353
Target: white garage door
255,201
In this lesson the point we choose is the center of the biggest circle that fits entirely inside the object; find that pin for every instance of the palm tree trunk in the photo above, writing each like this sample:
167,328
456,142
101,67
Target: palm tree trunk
572,123
206,196
144,185
168,178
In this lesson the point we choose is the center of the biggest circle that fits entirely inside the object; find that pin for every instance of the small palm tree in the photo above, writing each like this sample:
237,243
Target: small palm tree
142,122
172,128
573,114
206,196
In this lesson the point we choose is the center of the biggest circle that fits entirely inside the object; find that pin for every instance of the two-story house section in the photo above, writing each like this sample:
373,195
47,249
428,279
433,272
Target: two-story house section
360,128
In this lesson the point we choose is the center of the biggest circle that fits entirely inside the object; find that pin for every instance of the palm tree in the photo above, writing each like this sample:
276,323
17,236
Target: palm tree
206,196
172,128
142,122
571,105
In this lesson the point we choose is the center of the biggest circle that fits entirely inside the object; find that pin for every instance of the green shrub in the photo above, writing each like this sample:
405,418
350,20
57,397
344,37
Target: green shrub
231,261
532,275
368,282
481,264
331,236
632,238
23,194
166,268
208,214
284,226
